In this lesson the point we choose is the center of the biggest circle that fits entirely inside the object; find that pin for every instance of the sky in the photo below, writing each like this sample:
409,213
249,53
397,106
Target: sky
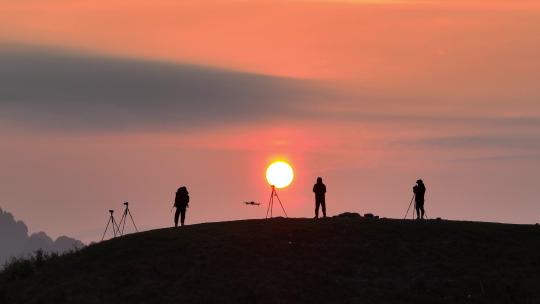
103,102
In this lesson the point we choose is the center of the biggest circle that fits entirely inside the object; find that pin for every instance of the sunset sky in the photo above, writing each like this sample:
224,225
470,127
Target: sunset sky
103,102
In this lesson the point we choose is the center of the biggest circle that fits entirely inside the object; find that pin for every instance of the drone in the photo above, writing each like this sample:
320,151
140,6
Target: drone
252,203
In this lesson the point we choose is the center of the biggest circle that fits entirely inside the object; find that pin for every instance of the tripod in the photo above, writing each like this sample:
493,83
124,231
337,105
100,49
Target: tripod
114,226
271,202
124,219
410,204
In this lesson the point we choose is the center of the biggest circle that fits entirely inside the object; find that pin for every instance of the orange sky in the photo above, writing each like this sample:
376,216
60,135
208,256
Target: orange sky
328,39
403,44
445,90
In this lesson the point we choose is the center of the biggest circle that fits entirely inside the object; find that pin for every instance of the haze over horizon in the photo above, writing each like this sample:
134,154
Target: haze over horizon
103,102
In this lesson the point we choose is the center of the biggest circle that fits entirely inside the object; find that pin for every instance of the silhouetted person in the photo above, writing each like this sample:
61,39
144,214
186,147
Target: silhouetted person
320,191
181,202
419,193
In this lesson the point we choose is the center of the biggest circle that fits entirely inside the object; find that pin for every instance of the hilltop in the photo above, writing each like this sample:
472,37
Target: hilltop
336,260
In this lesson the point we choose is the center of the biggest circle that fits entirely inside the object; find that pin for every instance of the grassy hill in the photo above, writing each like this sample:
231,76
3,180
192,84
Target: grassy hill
337,260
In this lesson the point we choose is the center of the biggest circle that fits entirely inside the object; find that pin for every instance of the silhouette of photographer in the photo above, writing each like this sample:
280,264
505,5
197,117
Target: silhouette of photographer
320,192
419,192
181,202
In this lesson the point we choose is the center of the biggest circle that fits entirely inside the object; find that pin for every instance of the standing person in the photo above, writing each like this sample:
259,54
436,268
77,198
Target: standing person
419,193
320,191
181,202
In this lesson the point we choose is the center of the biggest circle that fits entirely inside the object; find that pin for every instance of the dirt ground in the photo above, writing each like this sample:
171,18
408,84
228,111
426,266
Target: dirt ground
335,260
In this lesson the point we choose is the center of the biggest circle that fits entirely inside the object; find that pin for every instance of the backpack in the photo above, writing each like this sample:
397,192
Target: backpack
182,197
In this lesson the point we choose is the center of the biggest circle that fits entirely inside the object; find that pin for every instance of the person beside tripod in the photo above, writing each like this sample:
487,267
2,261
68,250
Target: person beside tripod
419,191
320,197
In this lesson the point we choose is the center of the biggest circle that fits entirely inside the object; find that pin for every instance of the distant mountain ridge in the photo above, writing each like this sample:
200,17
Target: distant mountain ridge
15,241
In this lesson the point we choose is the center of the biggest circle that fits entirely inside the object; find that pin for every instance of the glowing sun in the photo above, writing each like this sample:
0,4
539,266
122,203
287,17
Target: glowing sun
279,174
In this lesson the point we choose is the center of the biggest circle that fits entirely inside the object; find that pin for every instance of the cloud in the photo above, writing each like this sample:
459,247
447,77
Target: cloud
498,158
59,88
76,91
16,241
492,141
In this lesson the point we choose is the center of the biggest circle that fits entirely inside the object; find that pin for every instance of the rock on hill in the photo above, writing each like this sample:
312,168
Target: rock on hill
337,260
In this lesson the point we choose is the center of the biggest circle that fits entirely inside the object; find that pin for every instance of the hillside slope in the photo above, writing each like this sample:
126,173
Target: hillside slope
337,260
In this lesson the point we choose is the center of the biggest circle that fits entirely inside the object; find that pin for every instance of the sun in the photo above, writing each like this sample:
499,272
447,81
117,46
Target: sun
279,174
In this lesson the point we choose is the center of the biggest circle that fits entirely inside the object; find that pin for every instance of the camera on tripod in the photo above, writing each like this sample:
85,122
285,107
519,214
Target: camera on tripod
116,231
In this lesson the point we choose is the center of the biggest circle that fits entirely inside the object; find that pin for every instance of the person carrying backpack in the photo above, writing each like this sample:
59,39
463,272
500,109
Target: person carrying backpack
181,202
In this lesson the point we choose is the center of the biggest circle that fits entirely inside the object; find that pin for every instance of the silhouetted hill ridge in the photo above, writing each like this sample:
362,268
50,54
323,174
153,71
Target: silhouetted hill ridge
336,260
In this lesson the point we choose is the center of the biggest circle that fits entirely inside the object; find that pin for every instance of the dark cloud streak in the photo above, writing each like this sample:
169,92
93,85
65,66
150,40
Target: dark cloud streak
65,89
492,141
52,88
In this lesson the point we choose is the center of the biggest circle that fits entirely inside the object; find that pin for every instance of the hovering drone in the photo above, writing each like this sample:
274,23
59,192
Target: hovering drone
252,203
